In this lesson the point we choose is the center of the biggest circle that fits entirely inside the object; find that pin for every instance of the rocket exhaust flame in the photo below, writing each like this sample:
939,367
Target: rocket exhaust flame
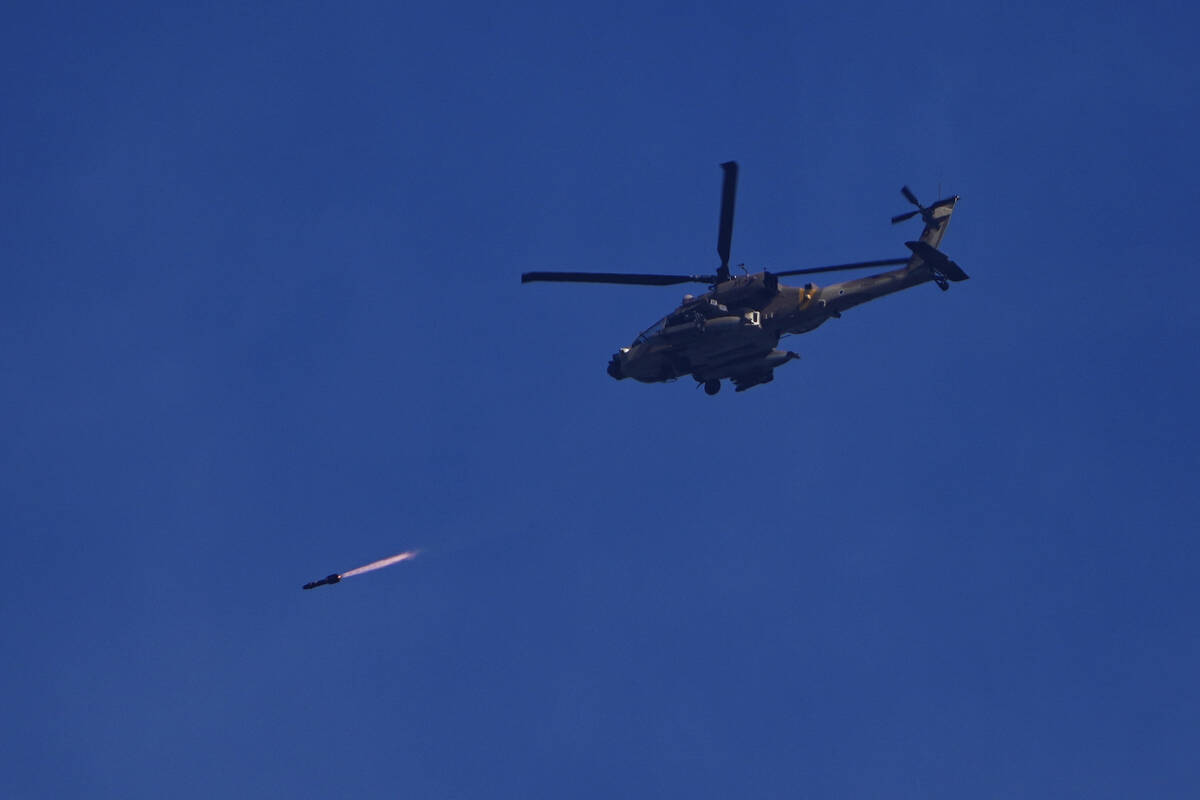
381,563
374,565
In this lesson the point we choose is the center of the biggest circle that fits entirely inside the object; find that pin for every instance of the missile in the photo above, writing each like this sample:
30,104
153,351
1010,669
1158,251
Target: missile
328,580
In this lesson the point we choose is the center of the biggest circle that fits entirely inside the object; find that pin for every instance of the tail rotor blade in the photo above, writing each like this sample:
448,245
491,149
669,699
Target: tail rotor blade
725,232
902,217
912,198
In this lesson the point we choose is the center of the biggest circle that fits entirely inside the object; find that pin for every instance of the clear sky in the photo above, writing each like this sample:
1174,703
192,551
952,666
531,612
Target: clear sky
262,321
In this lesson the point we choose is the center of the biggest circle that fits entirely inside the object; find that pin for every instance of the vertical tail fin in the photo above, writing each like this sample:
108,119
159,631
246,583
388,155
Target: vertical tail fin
937,219
925,253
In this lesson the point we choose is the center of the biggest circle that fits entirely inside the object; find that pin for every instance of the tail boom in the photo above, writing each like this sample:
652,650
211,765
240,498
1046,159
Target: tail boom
926,264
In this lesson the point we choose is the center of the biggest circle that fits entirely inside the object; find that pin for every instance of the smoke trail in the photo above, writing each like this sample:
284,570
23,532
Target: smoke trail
381,563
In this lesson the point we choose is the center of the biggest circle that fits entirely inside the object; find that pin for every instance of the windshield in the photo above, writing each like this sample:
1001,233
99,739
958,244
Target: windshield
653,330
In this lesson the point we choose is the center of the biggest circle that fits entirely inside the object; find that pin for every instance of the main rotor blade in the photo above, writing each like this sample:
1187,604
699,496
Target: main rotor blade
616,277
725,231
886,262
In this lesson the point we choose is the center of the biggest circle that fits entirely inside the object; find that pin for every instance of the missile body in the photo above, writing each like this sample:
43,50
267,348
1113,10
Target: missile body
328,580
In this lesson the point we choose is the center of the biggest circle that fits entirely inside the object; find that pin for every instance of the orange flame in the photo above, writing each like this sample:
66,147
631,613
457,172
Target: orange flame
381,563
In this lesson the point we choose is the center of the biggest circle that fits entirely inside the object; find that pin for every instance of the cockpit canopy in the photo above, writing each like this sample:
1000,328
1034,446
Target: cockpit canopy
652,331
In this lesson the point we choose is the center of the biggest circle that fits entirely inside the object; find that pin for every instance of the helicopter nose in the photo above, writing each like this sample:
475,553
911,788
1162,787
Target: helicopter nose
614,367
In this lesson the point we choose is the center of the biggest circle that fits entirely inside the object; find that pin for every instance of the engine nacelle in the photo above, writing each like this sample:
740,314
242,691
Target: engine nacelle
749,290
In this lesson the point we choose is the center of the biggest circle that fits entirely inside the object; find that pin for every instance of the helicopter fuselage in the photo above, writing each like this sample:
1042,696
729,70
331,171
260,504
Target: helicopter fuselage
732,331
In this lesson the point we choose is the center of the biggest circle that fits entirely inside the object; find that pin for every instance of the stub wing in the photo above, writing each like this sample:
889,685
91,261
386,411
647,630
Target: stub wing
761,370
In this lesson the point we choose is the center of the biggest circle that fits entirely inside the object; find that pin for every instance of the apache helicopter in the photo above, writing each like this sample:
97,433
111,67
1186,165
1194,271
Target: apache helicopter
731,331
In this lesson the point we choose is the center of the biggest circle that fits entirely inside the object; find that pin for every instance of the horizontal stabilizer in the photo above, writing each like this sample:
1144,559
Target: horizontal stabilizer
937,260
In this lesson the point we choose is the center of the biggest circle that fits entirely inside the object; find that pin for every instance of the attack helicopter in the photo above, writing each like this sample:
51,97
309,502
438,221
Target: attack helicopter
731,331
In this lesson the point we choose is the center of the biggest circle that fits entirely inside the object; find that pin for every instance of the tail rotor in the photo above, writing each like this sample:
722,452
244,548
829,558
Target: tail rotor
925,212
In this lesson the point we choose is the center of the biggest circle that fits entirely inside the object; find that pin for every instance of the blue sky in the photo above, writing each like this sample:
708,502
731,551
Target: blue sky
262,321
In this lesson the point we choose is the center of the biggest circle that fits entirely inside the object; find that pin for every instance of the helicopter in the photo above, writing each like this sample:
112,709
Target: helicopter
731,331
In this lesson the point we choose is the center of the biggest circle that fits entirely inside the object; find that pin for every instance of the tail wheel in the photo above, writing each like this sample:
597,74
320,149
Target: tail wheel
712,387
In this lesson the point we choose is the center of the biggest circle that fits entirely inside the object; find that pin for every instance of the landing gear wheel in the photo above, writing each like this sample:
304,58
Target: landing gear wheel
712,387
